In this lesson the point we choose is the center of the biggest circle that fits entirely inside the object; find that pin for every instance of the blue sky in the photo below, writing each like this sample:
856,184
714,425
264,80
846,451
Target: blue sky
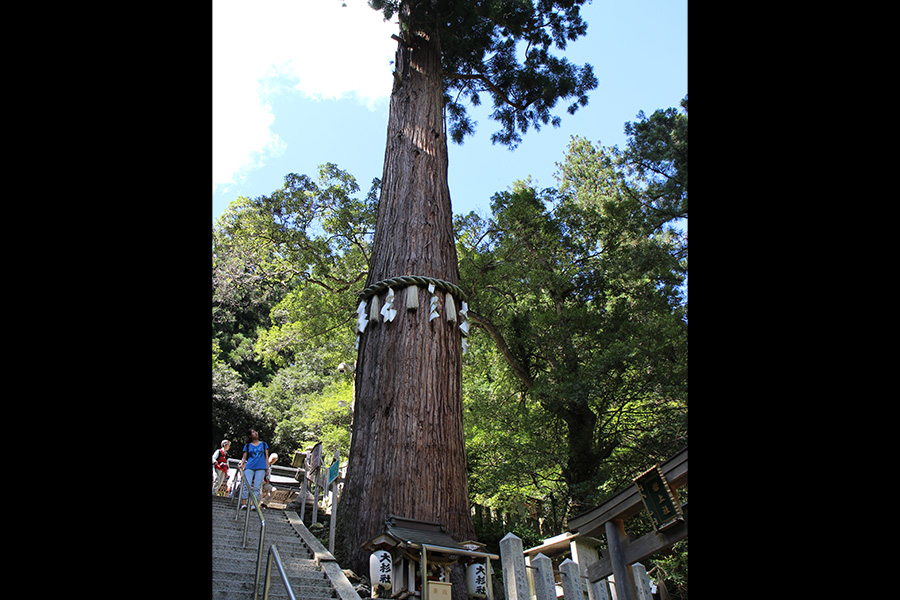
300,83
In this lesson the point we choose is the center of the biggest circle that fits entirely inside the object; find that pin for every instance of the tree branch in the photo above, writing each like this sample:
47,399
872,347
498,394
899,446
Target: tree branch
479,76
495,334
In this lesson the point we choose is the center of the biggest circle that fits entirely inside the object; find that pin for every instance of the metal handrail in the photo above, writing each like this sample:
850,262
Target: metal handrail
234,493
273,551
262,528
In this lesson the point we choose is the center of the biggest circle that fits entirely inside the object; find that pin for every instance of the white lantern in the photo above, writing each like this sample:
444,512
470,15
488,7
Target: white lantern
476,580
380,570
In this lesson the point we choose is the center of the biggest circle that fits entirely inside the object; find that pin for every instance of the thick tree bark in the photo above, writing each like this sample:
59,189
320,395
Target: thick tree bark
581,464
407,454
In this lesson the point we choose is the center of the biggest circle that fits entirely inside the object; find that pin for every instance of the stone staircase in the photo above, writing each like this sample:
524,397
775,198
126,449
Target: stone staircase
311,570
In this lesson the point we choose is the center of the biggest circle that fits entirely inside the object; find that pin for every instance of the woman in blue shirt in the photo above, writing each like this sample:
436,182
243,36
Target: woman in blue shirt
255,463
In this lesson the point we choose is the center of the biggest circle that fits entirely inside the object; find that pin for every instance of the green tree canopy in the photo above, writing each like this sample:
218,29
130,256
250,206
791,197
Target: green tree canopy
580,291
502,49
285,269
657,158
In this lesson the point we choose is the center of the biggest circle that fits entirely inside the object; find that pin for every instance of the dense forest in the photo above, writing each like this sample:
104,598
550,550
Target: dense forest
575,374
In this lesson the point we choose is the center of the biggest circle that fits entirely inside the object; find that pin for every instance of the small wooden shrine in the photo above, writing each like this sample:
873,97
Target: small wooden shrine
408,548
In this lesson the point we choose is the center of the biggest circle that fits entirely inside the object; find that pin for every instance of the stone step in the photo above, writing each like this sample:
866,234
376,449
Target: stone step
303,567
276,592
302,588
281,527
223,548
286,546
227,504
275,521
239,567
276,588
234,536
229,511
230,578
234,568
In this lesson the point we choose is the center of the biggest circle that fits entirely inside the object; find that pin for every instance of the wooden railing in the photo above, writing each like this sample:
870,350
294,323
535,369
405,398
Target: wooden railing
592,569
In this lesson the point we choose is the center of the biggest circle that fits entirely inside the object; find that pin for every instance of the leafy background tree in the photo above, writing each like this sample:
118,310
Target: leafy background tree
581,296
285,268
581,291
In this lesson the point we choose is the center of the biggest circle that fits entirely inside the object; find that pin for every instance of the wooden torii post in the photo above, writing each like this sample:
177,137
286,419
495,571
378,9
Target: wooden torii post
609,519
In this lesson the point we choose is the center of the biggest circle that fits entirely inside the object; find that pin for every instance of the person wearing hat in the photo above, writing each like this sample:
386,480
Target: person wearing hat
220,465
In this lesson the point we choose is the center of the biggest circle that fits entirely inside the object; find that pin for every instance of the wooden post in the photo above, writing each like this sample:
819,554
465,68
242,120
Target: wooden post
615,536
544,588
571,580
303,492
490,574
424,591
334,504
512,555
315,514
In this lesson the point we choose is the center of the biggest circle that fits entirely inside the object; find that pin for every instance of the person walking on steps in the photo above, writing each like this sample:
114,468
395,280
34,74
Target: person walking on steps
255,464
220,465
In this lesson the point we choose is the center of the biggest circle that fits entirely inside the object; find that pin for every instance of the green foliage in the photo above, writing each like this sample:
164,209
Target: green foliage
285,269
328,415
580,292
512,457
308,406
241,301
502,48
671,570
234,410
304,250
657,157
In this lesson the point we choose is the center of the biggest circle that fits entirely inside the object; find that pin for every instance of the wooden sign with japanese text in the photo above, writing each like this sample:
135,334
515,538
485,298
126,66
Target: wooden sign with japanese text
661,503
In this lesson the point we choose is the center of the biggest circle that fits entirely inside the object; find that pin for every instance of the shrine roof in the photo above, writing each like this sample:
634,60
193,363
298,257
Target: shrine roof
410,531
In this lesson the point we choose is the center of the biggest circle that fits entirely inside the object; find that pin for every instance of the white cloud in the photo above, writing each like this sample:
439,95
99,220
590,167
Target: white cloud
330,51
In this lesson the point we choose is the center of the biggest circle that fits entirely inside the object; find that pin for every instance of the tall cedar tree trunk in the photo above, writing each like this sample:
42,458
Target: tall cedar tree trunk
407,454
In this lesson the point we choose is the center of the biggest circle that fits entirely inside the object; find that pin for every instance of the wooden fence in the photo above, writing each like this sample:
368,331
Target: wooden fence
586,575
524,578
317,478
